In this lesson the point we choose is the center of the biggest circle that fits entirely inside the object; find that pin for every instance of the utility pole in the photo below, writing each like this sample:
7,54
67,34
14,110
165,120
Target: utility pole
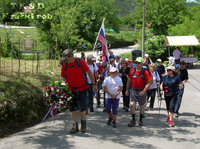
143,30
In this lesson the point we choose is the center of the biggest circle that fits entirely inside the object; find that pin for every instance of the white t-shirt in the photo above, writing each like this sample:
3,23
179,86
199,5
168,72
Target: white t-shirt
93,68
156,78
113,85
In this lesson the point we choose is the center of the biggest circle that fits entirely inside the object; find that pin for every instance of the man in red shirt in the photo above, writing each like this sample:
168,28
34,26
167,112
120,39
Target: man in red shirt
139,80
73,73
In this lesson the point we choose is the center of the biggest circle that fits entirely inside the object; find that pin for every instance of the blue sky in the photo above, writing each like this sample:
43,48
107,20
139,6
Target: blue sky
190,0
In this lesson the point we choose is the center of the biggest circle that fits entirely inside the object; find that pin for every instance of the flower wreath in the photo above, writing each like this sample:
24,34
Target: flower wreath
57,96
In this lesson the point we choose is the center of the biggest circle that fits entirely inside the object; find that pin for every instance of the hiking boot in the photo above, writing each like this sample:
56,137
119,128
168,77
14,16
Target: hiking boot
132,123
114,124
74,128
140,123
167,119
171,123
109,121
83,126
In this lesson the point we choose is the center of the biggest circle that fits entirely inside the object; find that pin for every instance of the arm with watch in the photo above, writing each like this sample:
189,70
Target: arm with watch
91,76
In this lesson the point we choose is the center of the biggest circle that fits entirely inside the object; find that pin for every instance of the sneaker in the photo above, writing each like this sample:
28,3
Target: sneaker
176,115
92,109
140,123
167,119
171,123
126,110
109,121
132,123
151,109
114,124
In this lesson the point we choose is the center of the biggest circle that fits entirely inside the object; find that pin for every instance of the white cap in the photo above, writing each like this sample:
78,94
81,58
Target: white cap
159,60
146,55
113,69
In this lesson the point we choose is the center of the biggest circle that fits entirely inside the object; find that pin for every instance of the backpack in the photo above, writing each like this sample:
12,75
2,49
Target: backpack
78,65
142,75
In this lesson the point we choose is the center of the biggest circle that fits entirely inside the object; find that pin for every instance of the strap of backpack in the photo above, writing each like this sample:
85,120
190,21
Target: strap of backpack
78,63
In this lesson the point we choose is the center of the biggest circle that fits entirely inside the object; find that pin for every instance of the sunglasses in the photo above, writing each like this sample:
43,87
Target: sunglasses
169,70
158,62
137,63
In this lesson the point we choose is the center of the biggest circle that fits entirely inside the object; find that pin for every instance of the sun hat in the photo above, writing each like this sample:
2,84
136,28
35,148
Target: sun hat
66,53
139,59
91,57
171,68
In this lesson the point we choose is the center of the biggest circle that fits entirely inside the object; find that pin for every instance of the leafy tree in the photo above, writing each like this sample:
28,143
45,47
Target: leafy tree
74,22
9,7
190,26
161,13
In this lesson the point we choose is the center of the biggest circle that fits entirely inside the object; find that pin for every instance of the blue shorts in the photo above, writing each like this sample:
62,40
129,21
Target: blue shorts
79,101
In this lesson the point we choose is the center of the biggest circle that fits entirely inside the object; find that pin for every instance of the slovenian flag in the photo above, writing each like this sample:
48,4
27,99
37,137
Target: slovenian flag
102,38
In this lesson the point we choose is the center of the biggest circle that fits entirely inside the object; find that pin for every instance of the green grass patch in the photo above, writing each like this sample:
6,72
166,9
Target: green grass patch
126,55
122,39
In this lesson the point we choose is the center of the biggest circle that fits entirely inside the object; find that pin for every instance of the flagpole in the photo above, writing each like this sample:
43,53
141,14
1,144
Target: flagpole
98,35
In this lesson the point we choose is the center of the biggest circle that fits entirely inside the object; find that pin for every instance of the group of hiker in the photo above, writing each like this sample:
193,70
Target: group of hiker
136,81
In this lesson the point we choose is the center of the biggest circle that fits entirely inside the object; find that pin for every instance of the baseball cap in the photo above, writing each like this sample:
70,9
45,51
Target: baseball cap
66,53
146,55
91,57
159,60
113,69
171,68
139,59
130,60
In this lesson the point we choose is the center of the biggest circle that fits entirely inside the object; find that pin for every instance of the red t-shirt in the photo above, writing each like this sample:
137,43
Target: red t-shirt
137,81
75,76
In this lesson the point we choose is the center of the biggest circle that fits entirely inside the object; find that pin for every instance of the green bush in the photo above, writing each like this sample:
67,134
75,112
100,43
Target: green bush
126,55
155,48
21,101
122,39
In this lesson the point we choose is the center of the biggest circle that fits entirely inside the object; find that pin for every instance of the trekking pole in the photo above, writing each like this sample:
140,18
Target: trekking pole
158,93
160,100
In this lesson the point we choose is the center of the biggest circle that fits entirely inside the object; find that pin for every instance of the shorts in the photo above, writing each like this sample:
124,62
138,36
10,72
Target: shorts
134,96
79,101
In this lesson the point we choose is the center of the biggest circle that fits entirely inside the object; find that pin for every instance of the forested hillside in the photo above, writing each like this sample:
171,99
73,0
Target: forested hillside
125,6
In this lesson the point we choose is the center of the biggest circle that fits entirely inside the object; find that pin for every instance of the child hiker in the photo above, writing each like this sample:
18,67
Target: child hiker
113,86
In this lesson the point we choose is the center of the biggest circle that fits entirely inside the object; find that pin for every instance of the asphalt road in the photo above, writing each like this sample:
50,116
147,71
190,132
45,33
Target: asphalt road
155,134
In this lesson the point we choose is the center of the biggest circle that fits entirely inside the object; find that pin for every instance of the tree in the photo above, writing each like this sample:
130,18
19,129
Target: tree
161,13
190,26
9,7
74,22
